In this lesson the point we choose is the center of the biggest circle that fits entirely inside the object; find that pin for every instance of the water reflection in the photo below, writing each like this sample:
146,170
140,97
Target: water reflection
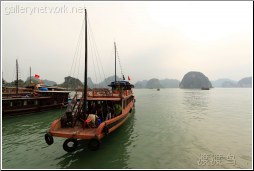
196,103
196,98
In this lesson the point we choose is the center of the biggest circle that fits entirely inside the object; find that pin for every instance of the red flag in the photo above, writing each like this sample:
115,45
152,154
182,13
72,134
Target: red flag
36,76
41,82
129,78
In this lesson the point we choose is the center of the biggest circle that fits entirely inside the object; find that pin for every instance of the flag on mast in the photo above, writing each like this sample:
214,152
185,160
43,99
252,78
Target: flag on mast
129,78
36,76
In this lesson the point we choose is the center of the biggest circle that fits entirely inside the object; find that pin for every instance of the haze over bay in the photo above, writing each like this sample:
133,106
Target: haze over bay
154,39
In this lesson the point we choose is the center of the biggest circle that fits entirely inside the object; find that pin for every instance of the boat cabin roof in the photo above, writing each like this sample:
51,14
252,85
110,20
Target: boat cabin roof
104,99
121,84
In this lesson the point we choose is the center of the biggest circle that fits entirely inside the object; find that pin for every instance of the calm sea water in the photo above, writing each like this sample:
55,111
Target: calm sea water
170,128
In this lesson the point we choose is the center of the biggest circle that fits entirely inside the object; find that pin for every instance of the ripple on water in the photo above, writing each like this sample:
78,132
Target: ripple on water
169,129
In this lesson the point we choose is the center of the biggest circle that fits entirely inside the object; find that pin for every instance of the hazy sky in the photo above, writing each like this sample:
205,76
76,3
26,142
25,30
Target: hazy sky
154,39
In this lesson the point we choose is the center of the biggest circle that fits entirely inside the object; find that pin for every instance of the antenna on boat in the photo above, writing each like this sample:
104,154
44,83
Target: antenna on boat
30,76
117,55
115,60
85,83
17,79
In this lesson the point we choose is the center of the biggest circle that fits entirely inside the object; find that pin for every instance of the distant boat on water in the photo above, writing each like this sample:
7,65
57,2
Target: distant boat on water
205,88
158,89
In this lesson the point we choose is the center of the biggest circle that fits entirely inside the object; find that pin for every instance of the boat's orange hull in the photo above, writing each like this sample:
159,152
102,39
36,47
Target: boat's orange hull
90,133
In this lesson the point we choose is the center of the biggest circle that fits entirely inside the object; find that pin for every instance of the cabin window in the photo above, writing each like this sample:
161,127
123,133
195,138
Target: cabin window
29,102
25,103
6,103
19,103
36,102
11,104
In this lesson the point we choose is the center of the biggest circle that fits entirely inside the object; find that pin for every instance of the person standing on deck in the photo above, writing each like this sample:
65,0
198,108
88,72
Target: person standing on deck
99,111
109,110
93,110
104,111
118,109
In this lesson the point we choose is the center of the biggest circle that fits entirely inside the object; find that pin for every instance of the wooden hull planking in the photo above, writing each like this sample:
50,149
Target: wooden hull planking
78,132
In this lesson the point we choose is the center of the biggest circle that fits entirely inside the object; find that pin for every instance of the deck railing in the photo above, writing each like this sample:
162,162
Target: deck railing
108,93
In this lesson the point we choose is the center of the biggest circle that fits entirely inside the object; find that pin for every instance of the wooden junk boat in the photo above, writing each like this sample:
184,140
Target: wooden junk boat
32,98
79,122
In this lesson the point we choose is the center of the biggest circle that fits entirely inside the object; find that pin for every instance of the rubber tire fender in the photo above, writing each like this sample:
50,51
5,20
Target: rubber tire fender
49,139
69,148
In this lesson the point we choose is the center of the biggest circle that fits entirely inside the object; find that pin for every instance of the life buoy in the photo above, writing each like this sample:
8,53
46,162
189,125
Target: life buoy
94,144
49,139
67,147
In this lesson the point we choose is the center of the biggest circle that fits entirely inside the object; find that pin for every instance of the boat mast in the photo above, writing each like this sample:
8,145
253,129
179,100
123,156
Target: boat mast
115,60
85,83
17,79
30,75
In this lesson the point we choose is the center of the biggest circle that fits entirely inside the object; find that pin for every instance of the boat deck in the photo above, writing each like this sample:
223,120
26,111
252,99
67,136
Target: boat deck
76,132
105,94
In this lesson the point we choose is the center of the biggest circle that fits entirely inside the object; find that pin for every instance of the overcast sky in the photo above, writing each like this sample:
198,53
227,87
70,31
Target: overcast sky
154,39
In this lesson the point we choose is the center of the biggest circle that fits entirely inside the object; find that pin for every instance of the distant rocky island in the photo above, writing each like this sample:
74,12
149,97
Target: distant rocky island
245,82
224,82
195,80
156,83
72,83
192,79
22,83
153,83
227,83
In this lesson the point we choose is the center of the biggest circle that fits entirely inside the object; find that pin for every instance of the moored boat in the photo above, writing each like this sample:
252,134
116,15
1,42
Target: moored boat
32,98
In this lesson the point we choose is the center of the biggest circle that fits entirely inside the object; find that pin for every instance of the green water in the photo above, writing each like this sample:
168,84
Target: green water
170,128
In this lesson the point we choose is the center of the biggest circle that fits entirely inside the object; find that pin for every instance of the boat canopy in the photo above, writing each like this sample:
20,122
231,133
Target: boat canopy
121,84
